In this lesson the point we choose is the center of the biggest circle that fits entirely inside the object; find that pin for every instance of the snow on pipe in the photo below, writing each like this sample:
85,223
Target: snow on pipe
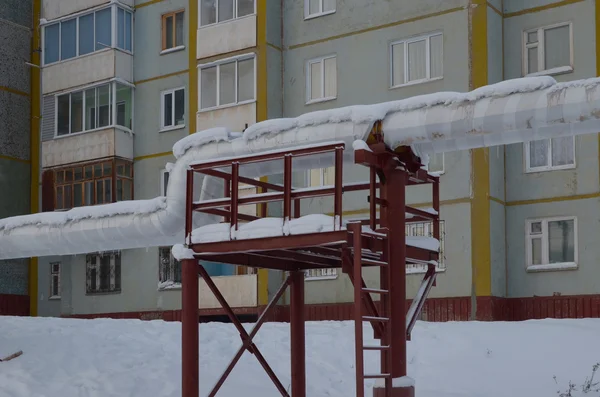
508,112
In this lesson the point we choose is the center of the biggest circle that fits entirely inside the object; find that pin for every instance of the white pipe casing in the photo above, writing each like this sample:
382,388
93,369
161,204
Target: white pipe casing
508,112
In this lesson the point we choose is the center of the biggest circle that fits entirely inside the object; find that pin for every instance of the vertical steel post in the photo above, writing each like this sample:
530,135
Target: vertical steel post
189,329
297,334
436,206
189,212
338,187
287,187
235,192
372,198
356,229
227,193
394,195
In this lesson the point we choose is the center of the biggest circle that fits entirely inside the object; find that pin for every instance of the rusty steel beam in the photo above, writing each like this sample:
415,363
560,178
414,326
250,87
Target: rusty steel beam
421,213
304,256
253,260
262,198
394,192
275,155
243,179
189,198
247,342
190,360
271,243
297,335
227,214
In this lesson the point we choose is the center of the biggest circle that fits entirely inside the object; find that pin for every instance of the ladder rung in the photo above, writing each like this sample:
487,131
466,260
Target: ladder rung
376,347
375,291
376,376
373,262
370,318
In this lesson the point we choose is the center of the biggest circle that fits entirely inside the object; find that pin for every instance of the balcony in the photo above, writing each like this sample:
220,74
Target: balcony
54,9
102,143
225,37
87,69
82,45
235,118
88,124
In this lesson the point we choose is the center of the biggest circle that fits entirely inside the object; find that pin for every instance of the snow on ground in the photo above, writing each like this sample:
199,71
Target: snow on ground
105,358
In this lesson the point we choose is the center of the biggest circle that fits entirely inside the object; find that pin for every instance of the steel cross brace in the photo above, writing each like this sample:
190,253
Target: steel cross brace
247,343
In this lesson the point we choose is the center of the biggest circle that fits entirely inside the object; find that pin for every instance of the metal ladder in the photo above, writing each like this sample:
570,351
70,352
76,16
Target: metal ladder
364,303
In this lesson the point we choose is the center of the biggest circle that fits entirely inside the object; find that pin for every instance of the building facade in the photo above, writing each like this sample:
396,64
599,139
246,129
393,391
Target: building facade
122,81
19,115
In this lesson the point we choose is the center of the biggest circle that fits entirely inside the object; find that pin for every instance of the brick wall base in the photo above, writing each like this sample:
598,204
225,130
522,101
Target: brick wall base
14,305
435,309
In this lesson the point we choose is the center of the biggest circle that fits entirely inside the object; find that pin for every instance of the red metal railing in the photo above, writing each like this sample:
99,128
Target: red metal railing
228,206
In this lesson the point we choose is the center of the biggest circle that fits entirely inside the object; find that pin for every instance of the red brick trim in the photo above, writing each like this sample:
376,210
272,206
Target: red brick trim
489,308
14,305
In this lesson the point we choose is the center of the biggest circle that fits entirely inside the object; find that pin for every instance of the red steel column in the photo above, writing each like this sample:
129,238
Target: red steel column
189,329
297,334
393,192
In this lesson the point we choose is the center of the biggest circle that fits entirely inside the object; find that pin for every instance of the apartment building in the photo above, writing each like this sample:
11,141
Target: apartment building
123,81
18,103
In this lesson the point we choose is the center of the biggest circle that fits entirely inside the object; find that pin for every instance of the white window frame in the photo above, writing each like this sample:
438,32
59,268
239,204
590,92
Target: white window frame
308,83
218,64
427,37
546,266
76,16
113,265
174,126
55,274
549,167
163,188
320,13
542,71
113,99
235,12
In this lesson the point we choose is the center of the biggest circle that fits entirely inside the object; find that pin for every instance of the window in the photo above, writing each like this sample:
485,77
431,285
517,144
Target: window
550,244
103,272
164,181
172,109
436,164
548,50
550,154
54,280
317,8
321,79
87,33
92,108
227,83
426,229
172,30
169,268
214,11
417,60
92,184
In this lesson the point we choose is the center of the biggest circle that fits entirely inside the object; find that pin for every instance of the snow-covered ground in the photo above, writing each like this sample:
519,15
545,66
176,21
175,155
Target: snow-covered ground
105,358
